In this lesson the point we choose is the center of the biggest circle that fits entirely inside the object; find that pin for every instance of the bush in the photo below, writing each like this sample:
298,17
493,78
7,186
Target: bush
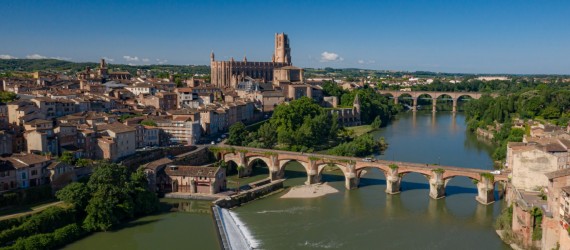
57,239
43,222
10,223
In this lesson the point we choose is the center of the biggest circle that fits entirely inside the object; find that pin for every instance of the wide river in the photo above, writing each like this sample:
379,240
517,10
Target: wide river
365,218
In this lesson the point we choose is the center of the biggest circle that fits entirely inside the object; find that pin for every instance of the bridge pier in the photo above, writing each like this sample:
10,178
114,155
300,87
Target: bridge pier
313,177
485,191
436,186
275,175
415,105
454,105
395,100
433,105
393,181
351,181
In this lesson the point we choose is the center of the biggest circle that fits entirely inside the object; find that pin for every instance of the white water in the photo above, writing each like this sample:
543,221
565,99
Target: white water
239,235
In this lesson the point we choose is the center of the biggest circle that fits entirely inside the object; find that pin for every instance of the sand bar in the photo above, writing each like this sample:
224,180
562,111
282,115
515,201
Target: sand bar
310,191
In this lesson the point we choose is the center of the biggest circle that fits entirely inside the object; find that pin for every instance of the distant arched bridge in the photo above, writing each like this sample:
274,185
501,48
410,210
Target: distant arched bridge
353,167
433,94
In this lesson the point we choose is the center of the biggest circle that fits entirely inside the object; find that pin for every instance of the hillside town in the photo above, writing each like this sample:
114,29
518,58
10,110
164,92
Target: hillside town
101,114
165,126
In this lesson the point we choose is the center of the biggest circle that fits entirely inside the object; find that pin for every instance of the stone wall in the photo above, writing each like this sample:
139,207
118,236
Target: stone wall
485,133
197,157
143,157
529,167
249,195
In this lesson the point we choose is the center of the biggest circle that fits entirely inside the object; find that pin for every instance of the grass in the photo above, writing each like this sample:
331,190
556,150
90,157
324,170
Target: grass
360,130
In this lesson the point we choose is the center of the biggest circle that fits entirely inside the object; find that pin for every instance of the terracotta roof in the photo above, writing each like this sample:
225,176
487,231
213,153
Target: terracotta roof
54,164
116,127
192,171
558,173
555,147
25,160
37,121
158,163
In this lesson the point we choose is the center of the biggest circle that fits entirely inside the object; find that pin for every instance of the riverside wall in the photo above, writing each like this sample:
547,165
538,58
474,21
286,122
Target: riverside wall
249,195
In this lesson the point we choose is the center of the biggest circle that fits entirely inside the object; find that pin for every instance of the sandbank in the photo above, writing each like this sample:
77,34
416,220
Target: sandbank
310,191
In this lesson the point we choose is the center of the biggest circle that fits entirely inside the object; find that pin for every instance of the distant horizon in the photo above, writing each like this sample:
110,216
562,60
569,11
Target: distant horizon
336,68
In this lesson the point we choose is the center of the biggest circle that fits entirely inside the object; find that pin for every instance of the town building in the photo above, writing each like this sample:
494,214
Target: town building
196,180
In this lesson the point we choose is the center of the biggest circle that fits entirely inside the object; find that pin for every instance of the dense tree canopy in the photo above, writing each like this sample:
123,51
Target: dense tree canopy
301,125
542,102
111,195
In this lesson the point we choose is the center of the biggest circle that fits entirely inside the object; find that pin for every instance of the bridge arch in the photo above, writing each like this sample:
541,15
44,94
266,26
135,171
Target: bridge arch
443,94
231,167
258,166
321,167
283,164
267,161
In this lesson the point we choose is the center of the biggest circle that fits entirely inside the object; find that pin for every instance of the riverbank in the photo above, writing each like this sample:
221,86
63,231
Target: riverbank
310,191
361,130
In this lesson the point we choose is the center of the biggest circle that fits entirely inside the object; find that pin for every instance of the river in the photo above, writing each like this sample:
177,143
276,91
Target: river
365,218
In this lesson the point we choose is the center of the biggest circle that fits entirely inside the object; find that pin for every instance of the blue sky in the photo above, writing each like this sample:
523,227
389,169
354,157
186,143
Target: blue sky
441,36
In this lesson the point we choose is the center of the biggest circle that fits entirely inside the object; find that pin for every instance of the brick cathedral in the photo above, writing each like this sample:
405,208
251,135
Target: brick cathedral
228,73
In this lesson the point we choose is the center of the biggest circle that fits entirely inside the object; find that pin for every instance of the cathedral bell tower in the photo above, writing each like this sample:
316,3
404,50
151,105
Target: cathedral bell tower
282,50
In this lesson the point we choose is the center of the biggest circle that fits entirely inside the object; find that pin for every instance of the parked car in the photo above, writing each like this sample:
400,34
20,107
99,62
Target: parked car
495,172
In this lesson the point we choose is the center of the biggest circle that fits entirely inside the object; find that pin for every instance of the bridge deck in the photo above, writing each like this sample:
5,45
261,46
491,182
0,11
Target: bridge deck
501,176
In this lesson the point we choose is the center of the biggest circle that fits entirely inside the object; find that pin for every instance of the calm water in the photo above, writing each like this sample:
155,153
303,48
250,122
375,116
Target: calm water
182,225
365,218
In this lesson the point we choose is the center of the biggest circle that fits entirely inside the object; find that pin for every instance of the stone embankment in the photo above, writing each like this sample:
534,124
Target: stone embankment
485,133
249,195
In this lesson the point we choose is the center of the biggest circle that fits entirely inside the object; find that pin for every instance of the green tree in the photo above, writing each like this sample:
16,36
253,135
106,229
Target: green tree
376,123
76,194
238,134
67,157
6,96
150,123
110,202
145,202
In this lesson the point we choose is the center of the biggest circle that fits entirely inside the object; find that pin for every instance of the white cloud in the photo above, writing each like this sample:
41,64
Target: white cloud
131,58
366,62
161,61
330,57
7,57
35,56
108,59
61,58
146,60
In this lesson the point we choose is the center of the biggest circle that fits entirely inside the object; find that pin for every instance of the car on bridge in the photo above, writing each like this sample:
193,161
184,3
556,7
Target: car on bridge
369,159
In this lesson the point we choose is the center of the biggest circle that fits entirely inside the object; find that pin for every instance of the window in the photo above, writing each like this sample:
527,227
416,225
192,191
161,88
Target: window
34,172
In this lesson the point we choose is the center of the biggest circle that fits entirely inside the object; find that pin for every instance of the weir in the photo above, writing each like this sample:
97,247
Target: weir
233,232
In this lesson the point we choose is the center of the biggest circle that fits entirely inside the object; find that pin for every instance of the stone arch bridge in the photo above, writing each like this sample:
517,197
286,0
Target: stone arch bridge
433,94
353,168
